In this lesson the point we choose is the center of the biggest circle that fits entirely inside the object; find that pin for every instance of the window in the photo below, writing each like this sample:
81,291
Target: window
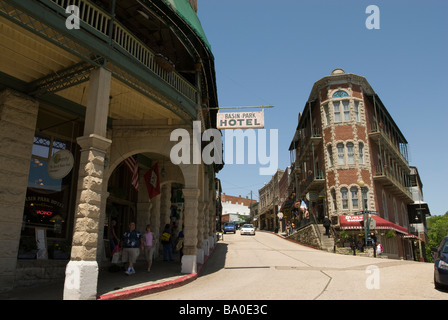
354,195
365,192
344,195
333,198
340,94
341,158
346,111
350,153
337,112
356,111
327,114
361,153
330,154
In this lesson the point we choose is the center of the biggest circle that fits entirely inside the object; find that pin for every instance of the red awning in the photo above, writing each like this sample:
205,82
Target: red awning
356,222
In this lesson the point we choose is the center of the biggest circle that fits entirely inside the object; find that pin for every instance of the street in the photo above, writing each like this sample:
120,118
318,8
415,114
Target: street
268,267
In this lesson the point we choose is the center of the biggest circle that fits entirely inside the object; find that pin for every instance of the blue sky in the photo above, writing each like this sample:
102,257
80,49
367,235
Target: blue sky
272,52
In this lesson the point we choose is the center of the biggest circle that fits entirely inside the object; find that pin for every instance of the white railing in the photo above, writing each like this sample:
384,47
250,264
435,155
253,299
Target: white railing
100,21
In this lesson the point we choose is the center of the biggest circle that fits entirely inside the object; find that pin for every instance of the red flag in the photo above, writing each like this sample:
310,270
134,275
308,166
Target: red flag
132,164
152,181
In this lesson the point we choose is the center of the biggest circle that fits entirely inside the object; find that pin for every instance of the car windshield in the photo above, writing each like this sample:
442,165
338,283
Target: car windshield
248,226
445,247
229,224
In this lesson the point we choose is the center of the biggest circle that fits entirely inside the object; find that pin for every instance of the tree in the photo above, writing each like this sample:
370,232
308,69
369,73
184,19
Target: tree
437,230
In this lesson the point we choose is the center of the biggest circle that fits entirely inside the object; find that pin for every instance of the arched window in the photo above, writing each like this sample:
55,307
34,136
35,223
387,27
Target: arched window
350,153
354,195
341,157
340,94
361,153
344,195
333,198
330,154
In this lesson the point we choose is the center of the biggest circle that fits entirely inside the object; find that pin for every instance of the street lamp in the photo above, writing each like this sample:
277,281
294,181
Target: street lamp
364,212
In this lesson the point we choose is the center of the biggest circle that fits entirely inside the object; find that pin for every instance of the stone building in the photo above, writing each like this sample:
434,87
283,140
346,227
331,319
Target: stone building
349,156
269,201
236,207
83,89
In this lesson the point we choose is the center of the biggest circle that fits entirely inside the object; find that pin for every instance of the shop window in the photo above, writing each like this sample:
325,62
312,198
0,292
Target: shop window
48,192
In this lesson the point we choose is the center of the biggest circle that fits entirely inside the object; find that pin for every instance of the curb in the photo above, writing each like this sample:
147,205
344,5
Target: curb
157,287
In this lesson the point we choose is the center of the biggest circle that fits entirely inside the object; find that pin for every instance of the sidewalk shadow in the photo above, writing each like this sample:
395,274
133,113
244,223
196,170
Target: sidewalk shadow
216,261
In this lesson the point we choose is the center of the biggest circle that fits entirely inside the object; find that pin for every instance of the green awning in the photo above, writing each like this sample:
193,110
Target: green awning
187,13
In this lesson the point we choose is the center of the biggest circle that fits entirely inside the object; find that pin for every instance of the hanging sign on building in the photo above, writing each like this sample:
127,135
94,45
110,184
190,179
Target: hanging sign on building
240,120
60,164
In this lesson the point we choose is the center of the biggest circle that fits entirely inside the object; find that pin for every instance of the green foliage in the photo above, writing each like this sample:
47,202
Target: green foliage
437,230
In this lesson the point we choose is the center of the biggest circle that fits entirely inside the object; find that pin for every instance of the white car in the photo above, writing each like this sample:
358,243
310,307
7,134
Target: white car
247,229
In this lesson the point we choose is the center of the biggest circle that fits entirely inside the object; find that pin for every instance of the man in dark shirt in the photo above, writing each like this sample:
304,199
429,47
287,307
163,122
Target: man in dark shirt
131,247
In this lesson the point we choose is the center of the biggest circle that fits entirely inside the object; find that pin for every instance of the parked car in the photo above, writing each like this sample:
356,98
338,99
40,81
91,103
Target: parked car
229,227
441,264
247,229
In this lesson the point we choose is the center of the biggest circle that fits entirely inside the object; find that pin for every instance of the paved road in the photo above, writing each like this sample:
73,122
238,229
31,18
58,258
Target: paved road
268,267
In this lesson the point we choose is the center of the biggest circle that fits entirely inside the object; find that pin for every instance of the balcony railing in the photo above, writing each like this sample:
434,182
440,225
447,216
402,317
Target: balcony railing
100,21
383,173
400,150
313,182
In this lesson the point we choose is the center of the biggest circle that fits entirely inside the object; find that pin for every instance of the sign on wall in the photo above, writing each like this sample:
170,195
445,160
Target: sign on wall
240,120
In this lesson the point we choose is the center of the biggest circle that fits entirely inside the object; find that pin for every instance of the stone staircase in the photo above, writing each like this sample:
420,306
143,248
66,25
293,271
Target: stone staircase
327,244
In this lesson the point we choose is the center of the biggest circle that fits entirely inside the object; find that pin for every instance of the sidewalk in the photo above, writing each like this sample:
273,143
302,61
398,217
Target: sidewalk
117,285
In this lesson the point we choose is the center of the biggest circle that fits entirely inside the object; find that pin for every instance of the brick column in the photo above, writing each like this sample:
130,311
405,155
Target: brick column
18,116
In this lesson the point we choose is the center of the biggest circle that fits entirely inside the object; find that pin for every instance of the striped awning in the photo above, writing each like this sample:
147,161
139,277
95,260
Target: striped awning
356,222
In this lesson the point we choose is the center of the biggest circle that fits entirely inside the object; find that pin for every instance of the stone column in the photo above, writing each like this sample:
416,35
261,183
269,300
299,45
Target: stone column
189,259
81,274
18,115
201,252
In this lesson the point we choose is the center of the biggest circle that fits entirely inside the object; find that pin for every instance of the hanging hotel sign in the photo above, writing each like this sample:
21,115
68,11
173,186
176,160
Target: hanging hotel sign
60,164
240,120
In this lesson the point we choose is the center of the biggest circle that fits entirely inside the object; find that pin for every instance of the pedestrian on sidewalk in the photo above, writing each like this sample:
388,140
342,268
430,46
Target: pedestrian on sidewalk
148,245
327,224
166,240
379,249
131,247
180,243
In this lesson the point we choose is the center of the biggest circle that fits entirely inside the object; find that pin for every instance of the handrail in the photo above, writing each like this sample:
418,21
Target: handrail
100,21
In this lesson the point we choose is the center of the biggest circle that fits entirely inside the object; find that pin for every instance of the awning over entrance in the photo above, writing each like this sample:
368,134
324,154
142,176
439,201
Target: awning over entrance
356,222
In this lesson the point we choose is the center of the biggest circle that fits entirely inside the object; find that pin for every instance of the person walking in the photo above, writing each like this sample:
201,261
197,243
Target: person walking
132,243
327,224
167,243
148,245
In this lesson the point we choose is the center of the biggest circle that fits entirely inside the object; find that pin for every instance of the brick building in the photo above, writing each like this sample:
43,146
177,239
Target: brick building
349,156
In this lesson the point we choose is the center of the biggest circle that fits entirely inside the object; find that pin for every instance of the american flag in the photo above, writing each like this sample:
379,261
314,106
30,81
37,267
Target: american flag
132,164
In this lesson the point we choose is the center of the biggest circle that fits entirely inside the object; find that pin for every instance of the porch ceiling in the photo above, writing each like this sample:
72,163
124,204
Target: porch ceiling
28,57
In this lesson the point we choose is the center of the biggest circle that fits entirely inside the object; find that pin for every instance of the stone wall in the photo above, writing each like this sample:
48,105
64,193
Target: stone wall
307,235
